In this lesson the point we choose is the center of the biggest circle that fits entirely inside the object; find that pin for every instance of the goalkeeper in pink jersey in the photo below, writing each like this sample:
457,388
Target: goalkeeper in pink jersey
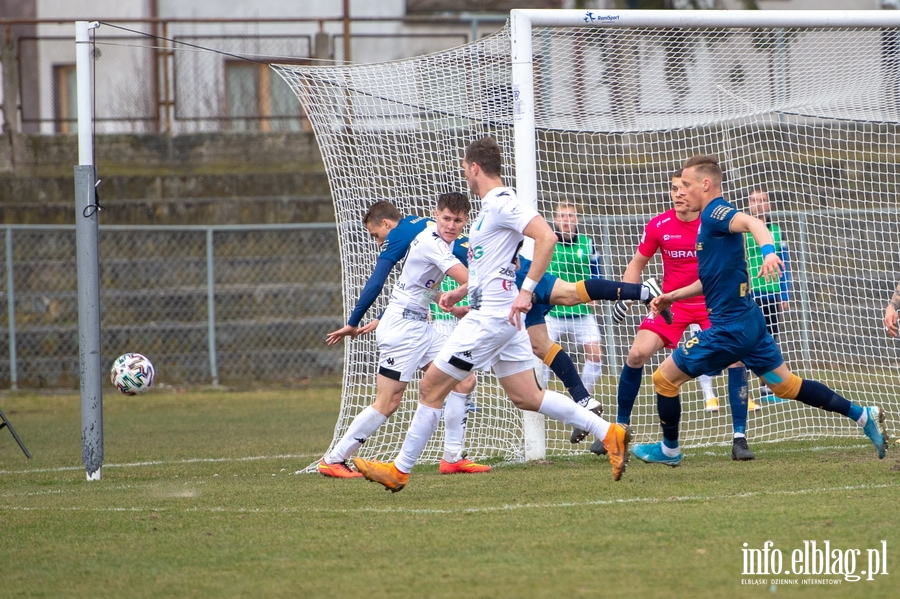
674,235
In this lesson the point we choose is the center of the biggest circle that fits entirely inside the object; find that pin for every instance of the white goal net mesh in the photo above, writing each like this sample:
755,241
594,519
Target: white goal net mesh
809,114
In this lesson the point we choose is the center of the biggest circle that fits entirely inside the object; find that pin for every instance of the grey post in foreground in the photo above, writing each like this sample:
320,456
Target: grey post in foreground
88,250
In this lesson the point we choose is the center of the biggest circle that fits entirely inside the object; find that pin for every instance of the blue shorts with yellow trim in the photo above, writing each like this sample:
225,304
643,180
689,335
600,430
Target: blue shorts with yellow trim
719,346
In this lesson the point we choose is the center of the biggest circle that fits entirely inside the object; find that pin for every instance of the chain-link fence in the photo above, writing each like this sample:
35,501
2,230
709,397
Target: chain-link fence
206,304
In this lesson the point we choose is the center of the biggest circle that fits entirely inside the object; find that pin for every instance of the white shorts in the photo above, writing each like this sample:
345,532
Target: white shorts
581,329
444,326
405,345
481,342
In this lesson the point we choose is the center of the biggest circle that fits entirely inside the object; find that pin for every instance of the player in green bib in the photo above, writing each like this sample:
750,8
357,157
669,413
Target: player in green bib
770,295
575,259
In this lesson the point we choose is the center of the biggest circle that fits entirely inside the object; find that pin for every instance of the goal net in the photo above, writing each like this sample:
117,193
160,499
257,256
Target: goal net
596,111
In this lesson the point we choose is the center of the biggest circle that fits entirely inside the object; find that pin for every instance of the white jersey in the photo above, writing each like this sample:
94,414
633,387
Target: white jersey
493,245
428,259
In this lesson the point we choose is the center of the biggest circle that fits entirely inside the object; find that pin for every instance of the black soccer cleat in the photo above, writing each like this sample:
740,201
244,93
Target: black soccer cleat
597,447
740,451
578,435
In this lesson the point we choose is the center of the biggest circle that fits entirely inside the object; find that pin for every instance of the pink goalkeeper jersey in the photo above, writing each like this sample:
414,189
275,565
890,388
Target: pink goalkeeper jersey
676,240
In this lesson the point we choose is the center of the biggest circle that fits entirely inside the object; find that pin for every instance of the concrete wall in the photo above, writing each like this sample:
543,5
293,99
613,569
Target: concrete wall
160,179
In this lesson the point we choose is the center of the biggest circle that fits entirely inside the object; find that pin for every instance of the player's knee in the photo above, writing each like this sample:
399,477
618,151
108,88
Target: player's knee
466,386
664,386
636,358
788,389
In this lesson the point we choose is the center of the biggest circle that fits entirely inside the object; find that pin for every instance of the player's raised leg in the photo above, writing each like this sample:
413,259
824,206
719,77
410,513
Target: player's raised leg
788,385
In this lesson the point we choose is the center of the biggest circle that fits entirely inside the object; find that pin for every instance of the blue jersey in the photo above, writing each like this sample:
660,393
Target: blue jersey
738,330
393,250
722,265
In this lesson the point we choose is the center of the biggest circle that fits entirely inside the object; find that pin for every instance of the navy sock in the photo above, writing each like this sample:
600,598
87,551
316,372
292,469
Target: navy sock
604,289
669,409
564,369
629,386
737,398
817,395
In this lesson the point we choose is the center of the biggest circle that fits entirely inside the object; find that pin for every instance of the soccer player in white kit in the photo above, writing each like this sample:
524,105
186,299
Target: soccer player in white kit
406,342
491,336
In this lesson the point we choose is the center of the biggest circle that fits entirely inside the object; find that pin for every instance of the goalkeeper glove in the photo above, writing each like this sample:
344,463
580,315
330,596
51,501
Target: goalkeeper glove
620,309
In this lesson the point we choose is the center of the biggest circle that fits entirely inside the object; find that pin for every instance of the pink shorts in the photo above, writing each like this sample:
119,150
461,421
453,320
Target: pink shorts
683,316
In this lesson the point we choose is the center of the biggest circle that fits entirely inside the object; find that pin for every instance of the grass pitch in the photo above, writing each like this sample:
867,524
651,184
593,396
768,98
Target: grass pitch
200,498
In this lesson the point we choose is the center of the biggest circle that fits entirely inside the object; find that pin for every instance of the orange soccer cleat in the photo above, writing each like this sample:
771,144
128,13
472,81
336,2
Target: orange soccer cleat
384,474
339,470
463,466
616,443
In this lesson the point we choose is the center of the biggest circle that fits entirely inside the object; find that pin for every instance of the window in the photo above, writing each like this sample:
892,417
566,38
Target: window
66,98
258,99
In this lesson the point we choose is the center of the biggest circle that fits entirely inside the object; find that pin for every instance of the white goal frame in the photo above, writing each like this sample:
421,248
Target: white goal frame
396,131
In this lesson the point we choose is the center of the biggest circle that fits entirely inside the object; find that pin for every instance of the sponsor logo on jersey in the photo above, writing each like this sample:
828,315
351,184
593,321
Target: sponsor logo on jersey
477,252
721,212
506,285
680,253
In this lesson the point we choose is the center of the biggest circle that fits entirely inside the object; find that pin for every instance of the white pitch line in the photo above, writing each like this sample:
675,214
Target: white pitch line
465,510
167,463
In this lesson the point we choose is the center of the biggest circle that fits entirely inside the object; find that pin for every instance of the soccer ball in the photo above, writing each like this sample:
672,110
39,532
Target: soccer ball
132,374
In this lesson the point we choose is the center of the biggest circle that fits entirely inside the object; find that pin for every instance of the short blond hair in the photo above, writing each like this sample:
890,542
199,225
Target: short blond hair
706,165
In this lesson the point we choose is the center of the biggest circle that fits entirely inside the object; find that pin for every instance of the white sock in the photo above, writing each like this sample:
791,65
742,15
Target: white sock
590,373
706,385
670,452
739,435
363,426
456,409
424,423
864,418
559,407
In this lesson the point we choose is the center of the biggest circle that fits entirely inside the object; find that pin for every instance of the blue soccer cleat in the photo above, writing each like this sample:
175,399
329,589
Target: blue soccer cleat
874,430
652,453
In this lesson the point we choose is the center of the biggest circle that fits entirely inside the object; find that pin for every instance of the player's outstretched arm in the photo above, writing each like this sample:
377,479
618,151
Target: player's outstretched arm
772,265
544,241
368,327
348,330
665,300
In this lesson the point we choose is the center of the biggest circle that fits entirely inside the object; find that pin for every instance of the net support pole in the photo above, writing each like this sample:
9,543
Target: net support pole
535,437
88,261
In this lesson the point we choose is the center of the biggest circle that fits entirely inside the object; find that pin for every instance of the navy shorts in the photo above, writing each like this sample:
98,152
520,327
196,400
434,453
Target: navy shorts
719,346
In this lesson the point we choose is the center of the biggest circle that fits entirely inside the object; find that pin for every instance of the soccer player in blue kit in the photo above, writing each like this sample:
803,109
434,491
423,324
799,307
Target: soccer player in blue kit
738,329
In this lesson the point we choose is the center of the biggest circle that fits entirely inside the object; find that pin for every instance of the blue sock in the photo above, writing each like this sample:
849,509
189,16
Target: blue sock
563,367
669,409
604,289
629,386
817,395
737,398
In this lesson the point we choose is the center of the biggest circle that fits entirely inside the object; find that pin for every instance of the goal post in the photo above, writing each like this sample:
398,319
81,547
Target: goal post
596,109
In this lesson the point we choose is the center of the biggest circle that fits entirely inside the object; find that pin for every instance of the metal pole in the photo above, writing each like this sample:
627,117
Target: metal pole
11,311
211,307
346,20
88,260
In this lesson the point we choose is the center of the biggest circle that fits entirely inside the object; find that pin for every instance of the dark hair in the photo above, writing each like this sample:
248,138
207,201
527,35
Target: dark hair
706,164
455,202
677,174
380,210
485,153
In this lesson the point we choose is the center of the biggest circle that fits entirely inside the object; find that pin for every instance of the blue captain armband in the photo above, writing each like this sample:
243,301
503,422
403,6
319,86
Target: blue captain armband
767,249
